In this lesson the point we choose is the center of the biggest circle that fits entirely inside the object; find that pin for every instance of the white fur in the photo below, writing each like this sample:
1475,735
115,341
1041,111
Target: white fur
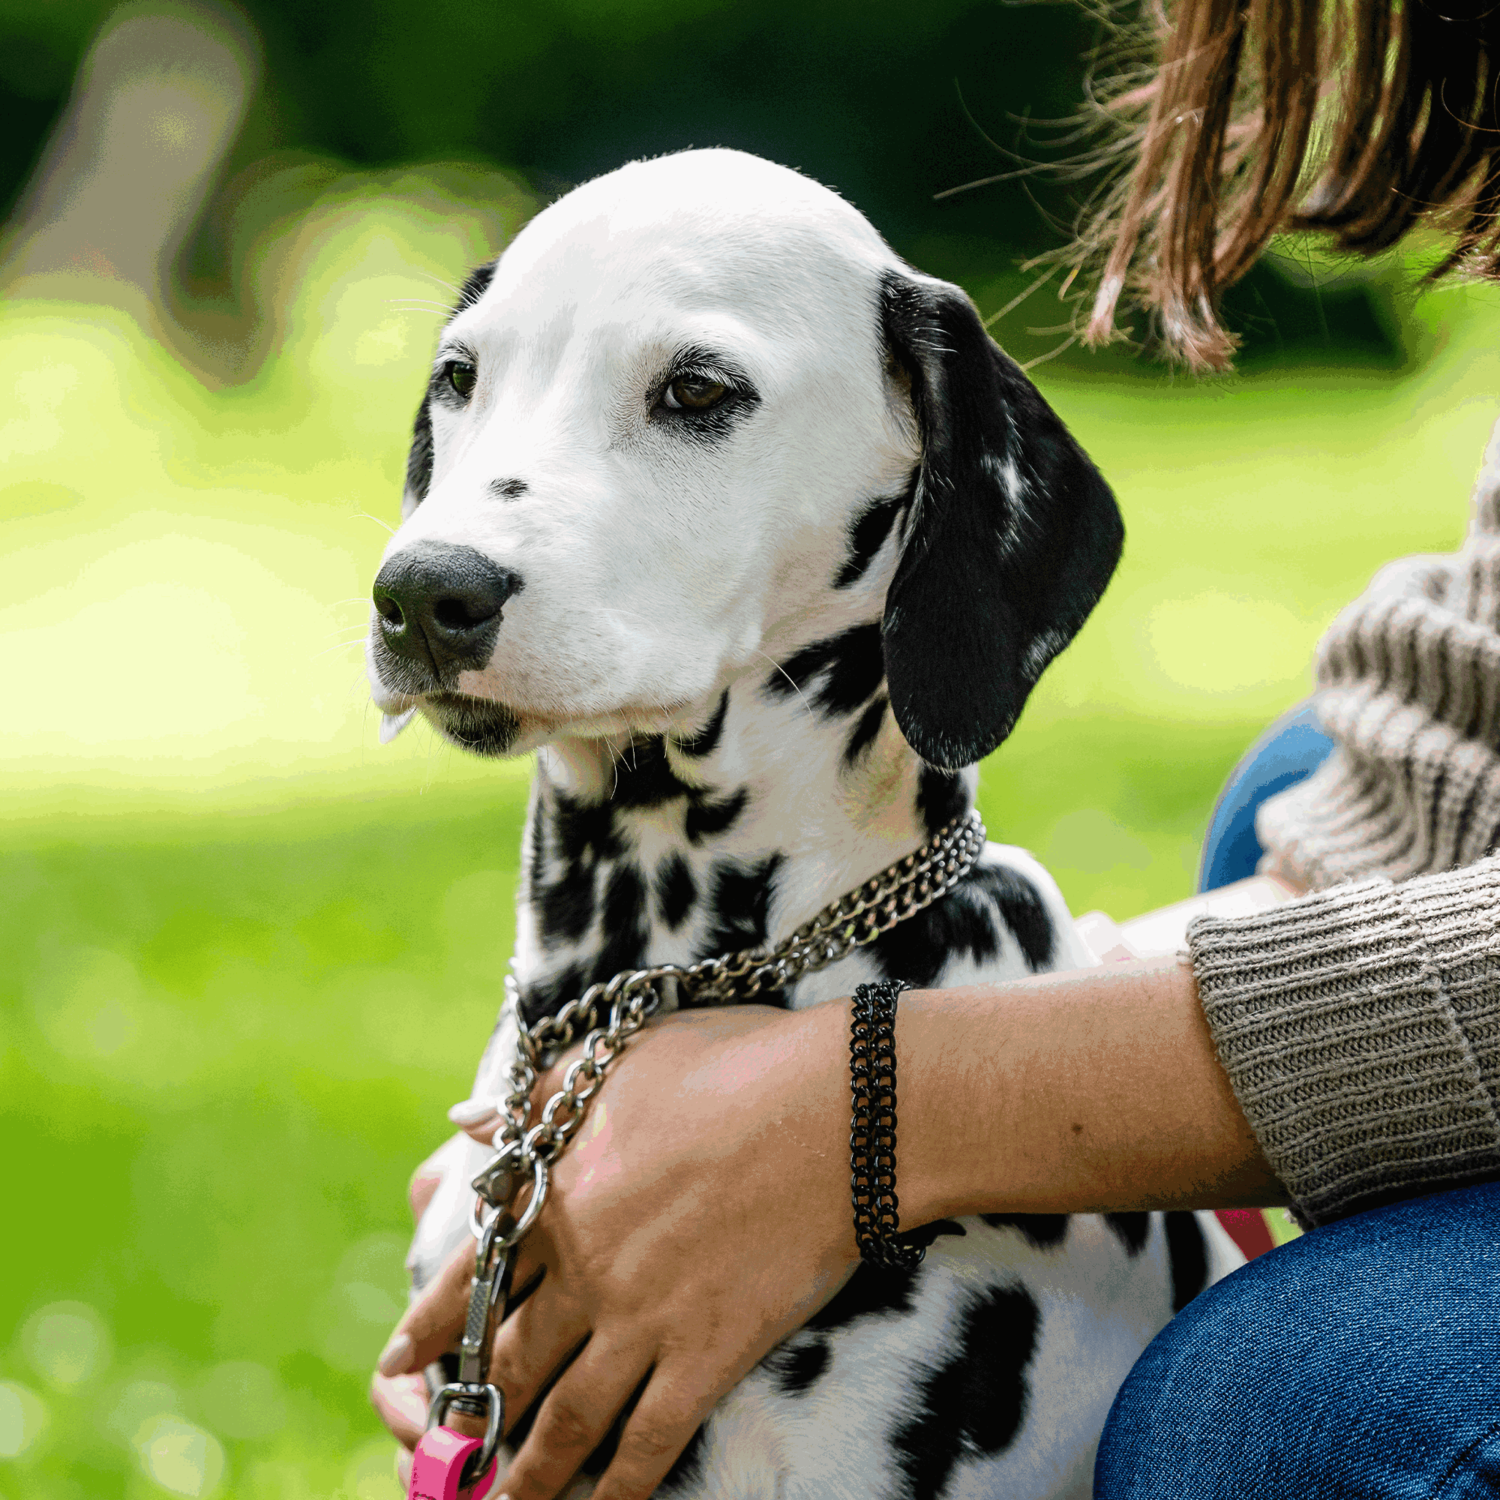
660,573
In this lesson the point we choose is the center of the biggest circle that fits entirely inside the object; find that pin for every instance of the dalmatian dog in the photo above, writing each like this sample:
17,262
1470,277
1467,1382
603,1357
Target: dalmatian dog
754,538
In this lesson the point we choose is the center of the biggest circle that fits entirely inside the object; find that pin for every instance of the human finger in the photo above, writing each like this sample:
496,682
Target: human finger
655,1434
478,1118
530,1348
430,1326
573,1420
424,1182
401,1403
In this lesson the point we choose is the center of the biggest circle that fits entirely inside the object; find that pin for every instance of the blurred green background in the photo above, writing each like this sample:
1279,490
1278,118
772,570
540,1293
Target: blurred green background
251,955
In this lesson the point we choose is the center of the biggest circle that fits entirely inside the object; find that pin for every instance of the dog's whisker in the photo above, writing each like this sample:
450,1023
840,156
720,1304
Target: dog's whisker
436,280
796,687
337,646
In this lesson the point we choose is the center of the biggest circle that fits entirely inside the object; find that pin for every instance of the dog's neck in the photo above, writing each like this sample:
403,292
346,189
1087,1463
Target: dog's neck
787,787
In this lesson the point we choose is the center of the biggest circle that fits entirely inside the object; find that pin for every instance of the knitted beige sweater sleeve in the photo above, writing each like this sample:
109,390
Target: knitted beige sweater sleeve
1360,1027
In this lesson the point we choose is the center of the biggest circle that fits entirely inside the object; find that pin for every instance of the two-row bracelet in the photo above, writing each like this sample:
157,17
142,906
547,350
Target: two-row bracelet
872,1137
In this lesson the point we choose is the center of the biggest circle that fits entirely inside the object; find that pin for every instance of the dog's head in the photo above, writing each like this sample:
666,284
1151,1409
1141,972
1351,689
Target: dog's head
653,430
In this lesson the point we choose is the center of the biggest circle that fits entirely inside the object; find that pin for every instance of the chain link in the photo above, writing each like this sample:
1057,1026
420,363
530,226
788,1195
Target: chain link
525,1152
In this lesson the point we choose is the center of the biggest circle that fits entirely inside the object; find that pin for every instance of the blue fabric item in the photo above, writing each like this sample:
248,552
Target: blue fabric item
1360,1361
1291,749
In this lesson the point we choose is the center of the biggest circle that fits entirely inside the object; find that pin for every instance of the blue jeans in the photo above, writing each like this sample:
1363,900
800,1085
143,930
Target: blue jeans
1362,1360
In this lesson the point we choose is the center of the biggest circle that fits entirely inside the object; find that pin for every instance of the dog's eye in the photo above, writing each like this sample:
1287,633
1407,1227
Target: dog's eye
692,393
461,375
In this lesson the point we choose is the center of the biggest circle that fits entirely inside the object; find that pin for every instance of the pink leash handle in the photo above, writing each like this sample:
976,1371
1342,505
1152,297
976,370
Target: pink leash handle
437,1467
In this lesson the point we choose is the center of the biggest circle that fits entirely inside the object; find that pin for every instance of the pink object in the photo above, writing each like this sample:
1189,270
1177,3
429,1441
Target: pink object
438,1464
1248,1229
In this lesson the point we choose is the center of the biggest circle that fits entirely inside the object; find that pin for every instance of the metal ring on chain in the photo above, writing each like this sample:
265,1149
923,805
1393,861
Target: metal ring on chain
480,1224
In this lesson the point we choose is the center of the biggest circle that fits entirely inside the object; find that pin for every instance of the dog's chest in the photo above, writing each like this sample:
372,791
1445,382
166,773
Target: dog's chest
662,873
991,1370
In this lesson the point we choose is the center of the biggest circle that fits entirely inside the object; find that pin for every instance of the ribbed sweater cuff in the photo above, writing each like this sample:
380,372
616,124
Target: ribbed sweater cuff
1360,1029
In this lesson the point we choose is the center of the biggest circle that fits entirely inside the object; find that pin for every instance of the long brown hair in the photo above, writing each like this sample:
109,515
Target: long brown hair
1357,118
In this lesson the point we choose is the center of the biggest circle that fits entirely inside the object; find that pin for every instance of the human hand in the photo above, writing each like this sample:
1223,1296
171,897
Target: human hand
699,1216
400,1401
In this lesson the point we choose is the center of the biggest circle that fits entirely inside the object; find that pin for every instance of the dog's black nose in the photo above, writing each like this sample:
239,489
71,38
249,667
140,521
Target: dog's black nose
439,605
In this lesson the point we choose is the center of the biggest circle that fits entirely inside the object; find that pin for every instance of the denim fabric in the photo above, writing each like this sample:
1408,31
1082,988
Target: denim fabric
1362,1360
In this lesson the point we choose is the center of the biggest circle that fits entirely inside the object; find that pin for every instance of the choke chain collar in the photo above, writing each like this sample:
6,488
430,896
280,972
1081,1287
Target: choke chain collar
524,1152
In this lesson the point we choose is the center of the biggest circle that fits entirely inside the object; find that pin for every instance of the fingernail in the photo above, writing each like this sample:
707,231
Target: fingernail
396,1356
472,1111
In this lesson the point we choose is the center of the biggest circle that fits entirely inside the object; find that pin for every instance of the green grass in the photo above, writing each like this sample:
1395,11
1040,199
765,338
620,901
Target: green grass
227,1042
251,956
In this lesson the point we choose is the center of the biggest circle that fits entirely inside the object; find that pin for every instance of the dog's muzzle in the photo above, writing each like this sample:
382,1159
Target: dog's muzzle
439,609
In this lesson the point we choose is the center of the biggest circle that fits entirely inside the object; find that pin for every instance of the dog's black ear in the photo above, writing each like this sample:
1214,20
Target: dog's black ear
1011,538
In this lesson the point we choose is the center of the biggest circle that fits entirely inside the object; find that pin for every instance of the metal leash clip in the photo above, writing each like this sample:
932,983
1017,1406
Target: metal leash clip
437,1457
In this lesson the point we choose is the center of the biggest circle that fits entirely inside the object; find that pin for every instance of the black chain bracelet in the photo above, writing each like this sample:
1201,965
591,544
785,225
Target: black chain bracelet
872,1138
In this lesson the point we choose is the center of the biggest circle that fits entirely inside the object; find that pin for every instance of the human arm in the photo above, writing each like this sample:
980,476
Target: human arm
703,1211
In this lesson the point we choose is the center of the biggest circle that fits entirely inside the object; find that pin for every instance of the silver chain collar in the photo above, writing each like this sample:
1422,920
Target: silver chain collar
524,1151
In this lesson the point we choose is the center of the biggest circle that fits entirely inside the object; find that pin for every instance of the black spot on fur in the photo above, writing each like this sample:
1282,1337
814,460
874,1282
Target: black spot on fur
1024,912
868,1293
624,947
475,287
705,819
970,1406
1133,1230
675,890
966,922
941,797
586,828
567,903
848,669
545,997
868,535
706,741
1188,1254
798,1365
739,904
509,489
419,458
864,731
624,924
578,836
1040,1231
642,776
